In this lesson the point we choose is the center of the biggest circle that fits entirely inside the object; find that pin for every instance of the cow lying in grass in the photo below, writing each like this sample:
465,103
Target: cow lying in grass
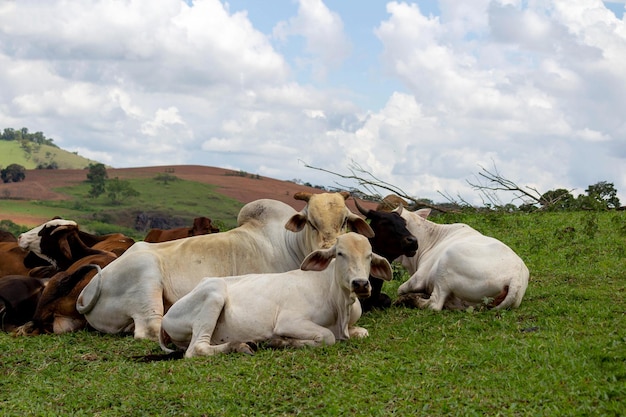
132,293
456,267
307,307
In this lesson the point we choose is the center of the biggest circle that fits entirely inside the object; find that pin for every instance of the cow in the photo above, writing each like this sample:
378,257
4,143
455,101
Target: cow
311,306
12,259
61,243
456,267
7,236
201,226
18,298
55,311
132,293
391,240
391,202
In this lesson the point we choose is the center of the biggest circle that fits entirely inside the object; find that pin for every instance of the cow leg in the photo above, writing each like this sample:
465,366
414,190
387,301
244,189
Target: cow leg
355,314
300,333
147,326
206,317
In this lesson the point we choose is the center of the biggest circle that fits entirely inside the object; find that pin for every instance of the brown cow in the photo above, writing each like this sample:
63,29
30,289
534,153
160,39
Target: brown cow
62,243
201,226
18,298
12,259
56,310
7,236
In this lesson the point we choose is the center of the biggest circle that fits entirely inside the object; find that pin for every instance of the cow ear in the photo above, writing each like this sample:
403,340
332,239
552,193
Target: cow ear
64,245
302,195
360,226
296,223
423,213
380,268
345,194
318,260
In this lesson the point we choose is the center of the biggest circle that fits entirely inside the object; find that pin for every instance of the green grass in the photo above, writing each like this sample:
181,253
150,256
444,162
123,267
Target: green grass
12,153
562,353
181,199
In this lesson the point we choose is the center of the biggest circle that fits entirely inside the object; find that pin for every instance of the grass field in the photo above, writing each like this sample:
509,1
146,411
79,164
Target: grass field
12,153
180,199
562,353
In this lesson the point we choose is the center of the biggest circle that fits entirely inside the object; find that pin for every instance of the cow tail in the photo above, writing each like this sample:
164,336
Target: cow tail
84,309
511,295
164,340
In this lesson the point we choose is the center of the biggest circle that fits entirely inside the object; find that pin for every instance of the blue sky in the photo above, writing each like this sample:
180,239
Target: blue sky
421,94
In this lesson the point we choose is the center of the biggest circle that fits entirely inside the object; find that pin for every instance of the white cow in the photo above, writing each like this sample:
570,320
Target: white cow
306,307
457,267
133,292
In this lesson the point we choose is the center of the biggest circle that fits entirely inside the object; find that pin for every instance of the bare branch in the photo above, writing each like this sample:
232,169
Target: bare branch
369,182
496,182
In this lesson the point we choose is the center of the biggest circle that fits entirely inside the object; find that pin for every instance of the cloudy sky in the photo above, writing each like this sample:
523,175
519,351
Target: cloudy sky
421,94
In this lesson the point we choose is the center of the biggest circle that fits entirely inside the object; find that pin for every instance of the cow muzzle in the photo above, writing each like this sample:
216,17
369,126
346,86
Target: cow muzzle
362,288
409,245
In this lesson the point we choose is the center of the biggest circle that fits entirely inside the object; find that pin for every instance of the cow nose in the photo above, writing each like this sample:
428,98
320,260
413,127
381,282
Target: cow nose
361,288
410,243
328,242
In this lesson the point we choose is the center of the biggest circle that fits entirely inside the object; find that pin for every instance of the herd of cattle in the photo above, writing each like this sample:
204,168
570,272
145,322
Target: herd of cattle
281,277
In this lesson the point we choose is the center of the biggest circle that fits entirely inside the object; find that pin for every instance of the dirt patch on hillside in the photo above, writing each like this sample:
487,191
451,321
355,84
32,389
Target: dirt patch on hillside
39,185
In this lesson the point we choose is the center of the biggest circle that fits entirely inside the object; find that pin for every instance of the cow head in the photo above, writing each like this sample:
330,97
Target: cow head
354,263
391,236
325,217
31,240
203,226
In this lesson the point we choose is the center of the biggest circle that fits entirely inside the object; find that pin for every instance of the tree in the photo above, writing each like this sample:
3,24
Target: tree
165,178
118,189
13,173
97,176
600,196
558,199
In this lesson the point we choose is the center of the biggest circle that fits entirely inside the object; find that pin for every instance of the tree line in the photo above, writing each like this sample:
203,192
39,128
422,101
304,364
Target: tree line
24,136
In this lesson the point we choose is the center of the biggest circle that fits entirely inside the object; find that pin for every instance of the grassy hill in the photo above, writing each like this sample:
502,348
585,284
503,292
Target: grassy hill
12,153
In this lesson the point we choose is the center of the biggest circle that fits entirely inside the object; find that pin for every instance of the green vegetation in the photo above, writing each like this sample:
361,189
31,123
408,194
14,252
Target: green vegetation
116,211
35,152
562,353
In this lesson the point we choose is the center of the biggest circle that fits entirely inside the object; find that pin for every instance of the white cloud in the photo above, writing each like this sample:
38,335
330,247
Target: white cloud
323,32
538,88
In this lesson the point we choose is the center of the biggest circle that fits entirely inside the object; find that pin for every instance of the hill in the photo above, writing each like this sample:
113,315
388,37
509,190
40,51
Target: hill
11,152
53,185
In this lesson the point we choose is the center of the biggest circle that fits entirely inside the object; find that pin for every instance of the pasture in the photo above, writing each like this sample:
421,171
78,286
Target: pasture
563,352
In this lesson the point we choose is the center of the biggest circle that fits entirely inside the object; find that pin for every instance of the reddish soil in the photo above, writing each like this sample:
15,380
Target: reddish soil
38,185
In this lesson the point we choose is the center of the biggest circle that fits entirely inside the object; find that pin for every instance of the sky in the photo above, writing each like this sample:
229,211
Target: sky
423,95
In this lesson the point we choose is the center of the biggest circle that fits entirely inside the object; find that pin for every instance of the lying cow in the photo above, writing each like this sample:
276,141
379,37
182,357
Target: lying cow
18,299
312,306
62,243
55,311
391,240
201,226
457,266
12,259
132,293
7,236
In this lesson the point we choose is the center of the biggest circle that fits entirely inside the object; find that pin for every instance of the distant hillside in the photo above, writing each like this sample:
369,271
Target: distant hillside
11,152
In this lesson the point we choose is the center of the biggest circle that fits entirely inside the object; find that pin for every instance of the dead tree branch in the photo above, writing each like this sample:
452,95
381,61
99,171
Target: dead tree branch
369,182
496,182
